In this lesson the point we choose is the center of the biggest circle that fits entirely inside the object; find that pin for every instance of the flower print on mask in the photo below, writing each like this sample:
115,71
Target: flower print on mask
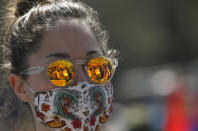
92,121
45,107
65,109
77,124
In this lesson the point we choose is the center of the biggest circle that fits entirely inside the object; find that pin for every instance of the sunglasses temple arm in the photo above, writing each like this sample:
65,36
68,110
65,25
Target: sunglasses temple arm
115,63
33,70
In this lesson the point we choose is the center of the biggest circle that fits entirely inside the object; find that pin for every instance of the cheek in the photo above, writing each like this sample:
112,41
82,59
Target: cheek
39,83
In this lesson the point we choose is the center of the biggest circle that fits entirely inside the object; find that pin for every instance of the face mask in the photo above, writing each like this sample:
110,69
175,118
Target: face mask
83,107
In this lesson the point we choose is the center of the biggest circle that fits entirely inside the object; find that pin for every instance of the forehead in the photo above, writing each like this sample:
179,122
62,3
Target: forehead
74,39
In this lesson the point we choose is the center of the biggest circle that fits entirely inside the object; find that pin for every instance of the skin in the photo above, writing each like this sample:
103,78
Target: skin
70,40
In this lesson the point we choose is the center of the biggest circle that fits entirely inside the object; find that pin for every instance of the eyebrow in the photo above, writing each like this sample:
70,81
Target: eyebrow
61,55
92,52
66,55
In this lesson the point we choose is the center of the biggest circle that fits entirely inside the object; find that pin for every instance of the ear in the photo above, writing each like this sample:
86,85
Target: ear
19,88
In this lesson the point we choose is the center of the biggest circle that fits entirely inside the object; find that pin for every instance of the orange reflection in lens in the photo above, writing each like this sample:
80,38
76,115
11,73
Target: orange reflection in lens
61,72
100,69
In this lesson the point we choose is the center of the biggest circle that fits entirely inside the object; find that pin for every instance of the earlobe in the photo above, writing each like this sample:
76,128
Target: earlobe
19,88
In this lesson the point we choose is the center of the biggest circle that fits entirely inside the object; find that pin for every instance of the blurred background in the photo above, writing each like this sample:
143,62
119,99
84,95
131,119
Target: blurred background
156,83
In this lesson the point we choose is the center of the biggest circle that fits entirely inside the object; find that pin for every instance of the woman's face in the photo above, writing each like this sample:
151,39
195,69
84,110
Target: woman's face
84,104
69,41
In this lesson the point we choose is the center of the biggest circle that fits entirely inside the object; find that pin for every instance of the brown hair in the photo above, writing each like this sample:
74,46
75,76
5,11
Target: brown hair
29,20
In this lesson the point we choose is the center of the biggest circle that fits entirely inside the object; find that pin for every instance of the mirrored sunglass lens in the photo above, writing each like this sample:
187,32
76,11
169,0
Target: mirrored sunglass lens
100,69
61,72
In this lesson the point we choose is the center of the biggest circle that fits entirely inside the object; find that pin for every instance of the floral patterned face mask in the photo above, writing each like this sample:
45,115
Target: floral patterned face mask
83,107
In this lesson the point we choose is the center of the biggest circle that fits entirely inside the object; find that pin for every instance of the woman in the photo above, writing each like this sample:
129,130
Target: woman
60,67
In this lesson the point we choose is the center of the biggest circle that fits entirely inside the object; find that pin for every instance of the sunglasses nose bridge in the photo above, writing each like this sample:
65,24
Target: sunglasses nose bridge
80,74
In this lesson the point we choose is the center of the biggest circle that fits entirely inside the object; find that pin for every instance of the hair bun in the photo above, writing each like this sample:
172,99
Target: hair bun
23,6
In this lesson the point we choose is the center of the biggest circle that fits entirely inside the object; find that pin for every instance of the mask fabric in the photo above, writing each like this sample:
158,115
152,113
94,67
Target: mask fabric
83,107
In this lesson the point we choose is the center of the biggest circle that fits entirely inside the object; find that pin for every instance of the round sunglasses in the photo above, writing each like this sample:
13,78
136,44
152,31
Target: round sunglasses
62,72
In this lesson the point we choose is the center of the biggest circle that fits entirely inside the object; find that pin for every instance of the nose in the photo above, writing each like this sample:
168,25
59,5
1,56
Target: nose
80,75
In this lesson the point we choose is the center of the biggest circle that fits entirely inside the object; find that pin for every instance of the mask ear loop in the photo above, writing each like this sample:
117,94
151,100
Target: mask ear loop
29,87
